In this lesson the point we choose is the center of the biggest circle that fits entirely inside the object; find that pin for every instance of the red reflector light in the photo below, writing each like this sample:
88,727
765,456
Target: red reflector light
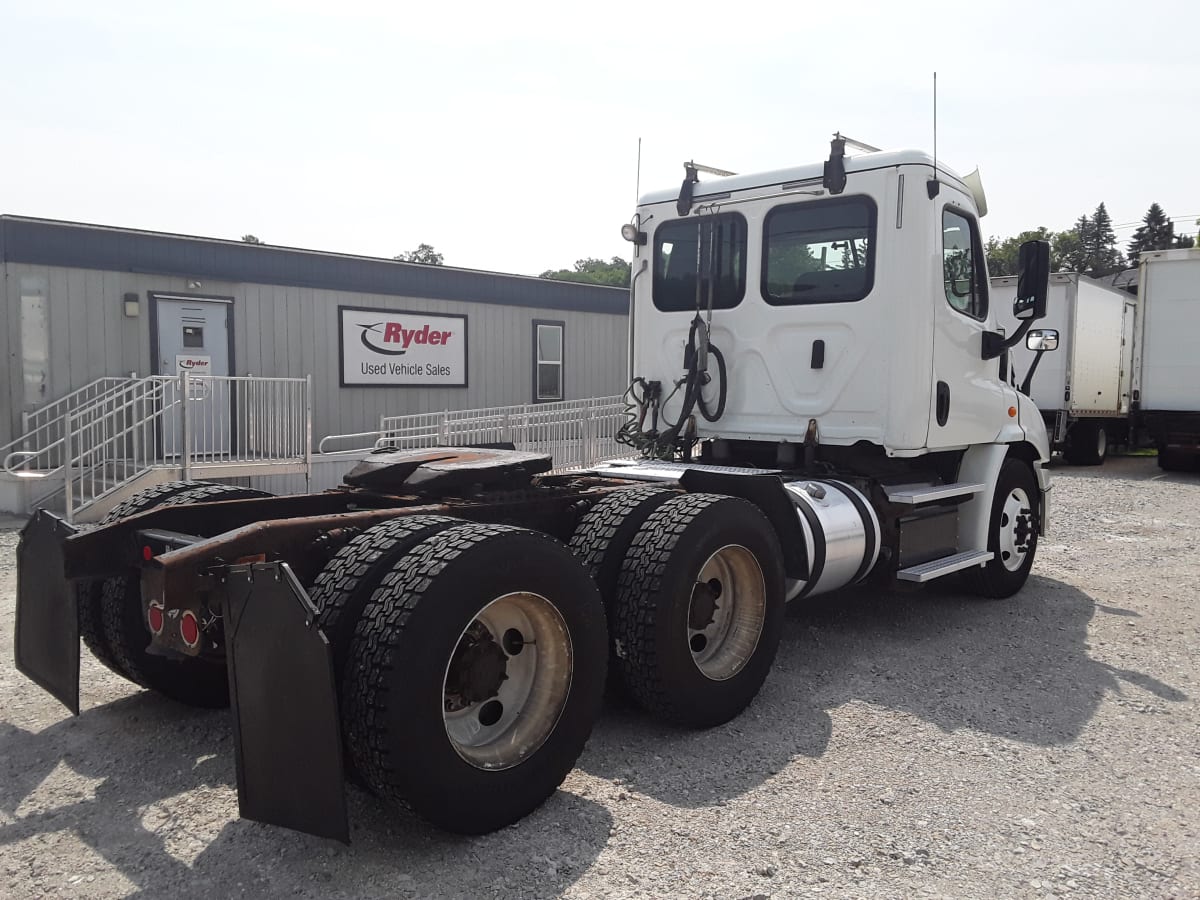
154,618
147,553
189,628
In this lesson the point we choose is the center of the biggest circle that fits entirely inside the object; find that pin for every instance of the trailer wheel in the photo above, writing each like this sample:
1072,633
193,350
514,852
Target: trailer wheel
91,616
196,681
346,583
1173,460
1087,444
699,612
1012,533
476,673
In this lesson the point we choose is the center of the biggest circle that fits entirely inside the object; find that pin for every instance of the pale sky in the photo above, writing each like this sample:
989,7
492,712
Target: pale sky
505,134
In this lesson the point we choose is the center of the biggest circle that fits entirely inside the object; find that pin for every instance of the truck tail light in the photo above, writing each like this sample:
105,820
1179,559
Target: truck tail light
154,618
189,628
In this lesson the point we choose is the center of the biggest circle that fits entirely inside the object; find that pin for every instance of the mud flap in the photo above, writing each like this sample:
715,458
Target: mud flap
47,630
284,697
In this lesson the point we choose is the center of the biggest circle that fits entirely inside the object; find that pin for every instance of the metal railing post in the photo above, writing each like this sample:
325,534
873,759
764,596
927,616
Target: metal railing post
68,473
308,433
185,452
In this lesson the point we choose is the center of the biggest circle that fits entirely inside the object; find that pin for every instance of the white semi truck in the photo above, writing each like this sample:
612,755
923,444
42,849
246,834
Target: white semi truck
1083,390
1166,386
819,400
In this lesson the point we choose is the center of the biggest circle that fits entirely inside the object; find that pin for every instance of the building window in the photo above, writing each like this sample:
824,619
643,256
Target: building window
35,339
708,249
964,279
820,251
547,361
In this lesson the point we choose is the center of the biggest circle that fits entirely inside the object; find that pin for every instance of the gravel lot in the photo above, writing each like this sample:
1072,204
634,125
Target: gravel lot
918,744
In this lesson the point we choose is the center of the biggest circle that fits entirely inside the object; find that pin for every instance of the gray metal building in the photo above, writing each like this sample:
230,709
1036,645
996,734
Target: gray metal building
81,302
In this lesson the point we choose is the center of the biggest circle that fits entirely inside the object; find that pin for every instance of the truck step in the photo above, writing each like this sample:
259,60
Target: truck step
913,494
936,568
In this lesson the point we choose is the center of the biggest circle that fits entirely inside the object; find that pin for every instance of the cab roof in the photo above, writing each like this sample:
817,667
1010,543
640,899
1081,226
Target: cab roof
863,162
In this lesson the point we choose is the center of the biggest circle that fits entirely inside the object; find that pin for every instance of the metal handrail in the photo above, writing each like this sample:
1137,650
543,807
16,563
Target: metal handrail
577,433
44,426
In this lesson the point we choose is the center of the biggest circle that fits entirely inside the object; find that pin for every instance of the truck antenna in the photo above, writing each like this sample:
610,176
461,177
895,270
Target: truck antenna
637,182
932,186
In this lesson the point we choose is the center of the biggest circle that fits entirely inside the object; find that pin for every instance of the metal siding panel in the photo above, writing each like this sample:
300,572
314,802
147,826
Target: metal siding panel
10,418
96,315
61,349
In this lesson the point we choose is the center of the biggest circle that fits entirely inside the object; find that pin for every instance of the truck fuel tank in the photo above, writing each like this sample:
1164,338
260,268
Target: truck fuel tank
841,534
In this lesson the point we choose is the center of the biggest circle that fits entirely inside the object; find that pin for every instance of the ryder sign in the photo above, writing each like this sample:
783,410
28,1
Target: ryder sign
385,348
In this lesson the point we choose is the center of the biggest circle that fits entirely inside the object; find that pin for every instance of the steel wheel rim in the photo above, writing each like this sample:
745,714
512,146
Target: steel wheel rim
1016,529
726,612
502,730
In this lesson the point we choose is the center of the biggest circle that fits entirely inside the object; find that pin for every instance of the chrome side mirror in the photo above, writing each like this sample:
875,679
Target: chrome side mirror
1040,339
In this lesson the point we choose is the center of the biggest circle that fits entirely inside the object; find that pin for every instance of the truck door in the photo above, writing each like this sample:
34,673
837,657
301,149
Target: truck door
969,401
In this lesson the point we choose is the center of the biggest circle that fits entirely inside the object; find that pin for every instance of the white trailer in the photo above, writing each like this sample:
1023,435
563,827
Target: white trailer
1083,390
1166,386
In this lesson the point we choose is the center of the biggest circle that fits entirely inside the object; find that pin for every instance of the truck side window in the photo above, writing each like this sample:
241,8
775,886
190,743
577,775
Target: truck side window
962,271
819,251
678,264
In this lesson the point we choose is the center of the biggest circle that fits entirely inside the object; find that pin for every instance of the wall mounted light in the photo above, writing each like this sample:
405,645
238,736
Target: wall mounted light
193,284
133,305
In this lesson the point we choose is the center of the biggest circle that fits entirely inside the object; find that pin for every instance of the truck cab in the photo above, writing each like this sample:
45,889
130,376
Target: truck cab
834,320
863,311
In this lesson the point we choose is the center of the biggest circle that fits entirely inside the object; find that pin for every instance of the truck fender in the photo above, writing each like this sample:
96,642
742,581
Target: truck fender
980,463
769,495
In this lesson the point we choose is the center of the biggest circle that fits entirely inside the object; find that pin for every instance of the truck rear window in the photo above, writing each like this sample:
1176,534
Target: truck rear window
822,251
721,241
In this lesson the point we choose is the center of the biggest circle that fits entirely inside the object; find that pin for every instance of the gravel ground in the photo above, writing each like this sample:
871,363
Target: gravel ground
918,744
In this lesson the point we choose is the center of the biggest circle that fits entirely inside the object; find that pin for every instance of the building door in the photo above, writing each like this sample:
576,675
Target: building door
193,334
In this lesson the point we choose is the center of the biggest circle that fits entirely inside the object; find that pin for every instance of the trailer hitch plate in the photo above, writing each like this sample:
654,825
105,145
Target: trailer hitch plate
284,696
47,629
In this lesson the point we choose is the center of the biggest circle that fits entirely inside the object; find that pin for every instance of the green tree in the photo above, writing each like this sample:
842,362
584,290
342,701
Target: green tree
1103,256
1003,255
594,271
1156,232
251,239
424,255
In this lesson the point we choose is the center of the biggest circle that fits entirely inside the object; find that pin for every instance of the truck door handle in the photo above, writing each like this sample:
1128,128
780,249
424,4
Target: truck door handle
943,403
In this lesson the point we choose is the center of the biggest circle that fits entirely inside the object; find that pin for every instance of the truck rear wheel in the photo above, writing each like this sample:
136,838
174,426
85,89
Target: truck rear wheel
699,612
476,673
1012,533
196,681
602,539
346,583
91,617
1087,444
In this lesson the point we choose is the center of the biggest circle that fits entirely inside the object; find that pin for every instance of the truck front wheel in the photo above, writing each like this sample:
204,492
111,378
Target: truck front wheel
1012,533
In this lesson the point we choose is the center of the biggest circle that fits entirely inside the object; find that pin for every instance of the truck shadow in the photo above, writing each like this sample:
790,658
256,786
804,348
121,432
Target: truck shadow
1017,669
125,779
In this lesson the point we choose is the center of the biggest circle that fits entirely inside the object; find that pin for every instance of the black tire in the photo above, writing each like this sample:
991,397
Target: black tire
603,535
395,693
1171,459
91,616
654,608
1087,444
995,579
348,580
600,542
196,681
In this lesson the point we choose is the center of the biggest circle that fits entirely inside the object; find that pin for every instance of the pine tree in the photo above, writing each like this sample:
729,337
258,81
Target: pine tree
1156,232
1103,256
